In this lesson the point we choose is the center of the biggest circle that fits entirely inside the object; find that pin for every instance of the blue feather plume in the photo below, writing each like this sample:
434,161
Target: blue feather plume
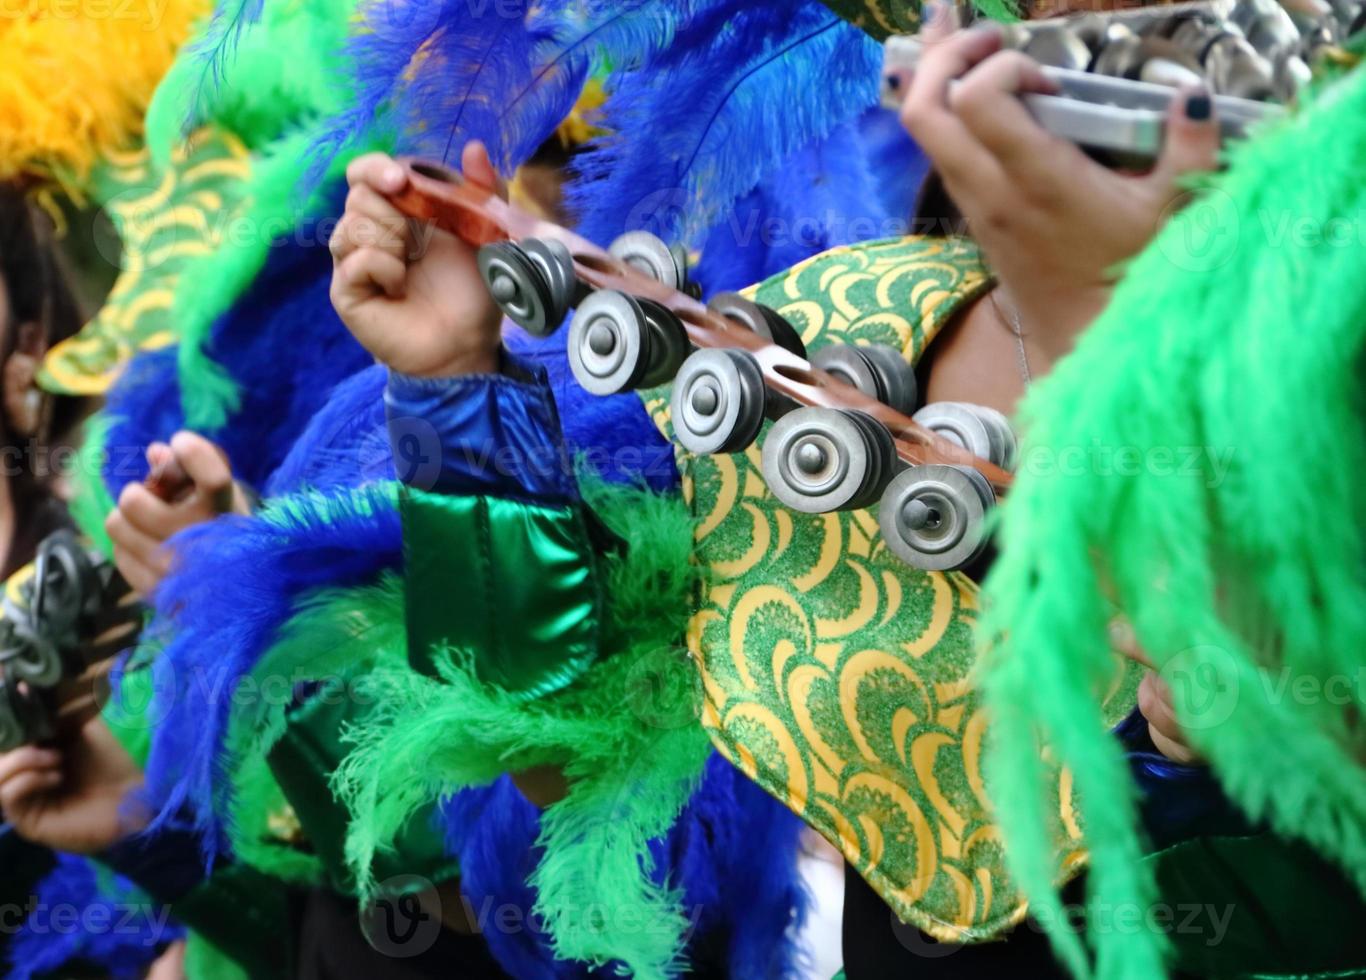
821,197
434,76
733,852
135,930
216,47
240,580
431,76
700,123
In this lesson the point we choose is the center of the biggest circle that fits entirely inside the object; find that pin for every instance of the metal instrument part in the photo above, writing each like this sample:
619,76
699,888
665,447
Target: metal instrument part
823,460
934,517
762,320
719,401
877,370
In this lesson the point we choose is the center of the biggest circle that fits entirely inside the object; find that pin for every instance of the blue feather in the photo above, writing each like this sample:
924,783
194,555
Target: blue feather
132,935
819,198
733,852
218,44
238,581
699,124
433,76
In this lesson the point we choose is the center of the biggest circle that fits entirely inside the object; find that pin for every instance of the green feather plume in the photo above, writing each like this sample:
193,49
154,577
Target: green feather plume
336,637
91,501
626,737
1217,409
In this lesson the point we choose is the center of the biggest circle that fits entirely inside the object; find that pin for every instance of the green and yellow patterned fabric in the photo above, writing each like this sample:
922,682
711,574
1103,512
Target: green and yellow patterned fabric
834,675
880,18
165,221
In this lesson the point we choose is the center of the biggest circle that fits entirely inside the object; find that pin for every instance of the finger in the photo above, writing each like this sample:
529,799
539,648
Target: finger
1124,641
136,553
356,231
27,758
385,227
988,102
141,577
371,271
926,113
1155,704
146,512
159,454
378,170
17,791
939,21
204,463
1176,751
1192,141
477,166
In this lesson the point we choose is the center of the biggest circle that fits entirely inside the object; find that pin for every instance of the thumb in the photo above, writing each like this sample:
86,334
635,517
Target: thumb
1192,142
477,166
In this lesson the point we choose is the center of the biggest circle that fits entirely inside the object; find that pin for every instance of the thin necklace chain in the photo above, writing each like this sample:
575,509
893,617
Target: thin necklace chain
1017,328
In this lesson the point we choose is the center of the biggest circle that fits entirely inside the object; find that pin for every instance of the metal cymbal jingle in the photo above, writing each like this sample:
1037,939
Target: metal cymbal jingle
609,343
934,517
718,401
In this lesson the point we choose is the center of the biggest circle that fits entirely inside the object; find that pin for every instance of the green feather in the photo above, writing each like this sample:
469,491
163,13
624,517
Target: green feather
626,737
91,502
336,637
1230,362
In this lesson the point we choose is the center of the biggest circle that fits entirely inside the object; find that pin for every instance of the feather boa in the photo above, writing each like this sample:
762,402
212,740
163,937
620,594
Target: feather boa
1239,333
730,832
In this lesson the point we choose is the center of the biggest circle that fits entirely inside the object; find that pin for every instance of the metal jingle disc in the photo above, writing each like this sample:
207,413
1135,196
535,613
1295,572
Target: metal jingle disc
1005,447
64,585
895,376
767,323
649,255
609,343
669,346
820,460
33,656
557,265
959,424
883,454
13,730
848,363
933,517
718,401
518,286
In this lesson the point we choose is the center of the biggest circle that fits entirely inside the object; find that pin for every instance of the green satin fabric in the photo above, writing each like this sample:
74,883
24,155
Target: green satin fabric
303,762
245,916
512,584
1290,916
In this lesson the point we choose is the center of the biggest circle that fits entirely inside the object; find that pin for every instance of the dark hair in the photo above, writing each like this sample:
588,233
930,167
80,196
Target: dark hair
38,293
936,216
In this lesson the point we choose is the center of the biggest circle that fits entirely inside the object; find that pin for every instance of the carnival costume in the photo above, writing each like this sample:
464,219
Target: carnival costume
1246,347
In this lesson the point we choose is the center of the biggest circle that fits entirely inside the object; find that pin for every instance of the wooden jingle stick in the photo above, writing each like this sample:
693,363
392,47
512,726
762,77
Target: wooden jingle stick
478,216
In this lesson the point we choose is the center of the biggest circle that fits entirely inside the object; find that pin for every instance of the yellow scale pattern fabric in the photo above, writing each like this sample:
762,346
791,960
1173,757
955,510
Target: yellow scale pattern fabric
833,674
166,220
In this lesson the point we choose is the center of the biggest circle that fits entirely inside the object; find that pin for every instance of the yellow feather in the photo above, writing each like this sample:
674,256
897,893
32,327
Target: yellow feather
76,77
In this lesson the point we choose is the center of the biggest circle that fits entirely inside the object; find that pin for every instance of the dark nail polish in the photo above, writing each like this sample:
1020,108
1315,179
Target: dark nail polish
894,82
1198,107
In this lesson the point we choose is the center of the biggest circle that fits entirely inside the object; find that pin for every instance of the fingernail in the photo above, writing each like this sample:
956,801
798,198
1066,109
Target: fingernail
1199,106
